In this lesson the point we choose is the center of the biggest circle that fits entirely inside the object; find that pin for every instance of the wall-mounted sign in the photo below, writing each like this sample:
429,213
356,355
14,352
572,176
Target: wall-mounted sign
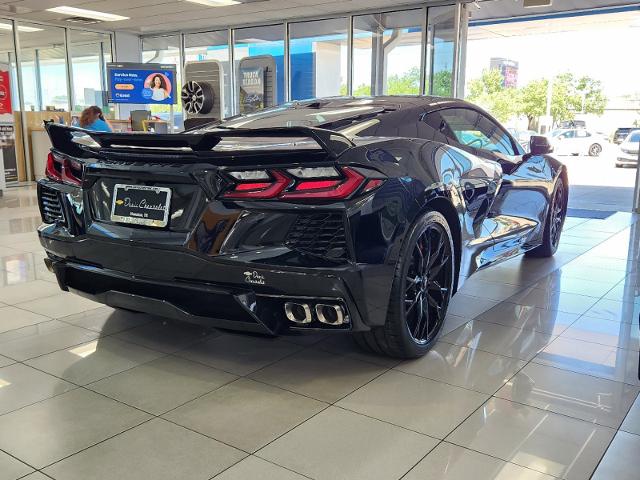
251,89
142,83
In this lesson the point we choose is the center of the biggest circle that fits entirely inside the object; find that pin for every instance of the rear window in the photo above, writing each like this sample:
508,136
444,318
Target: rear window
310,115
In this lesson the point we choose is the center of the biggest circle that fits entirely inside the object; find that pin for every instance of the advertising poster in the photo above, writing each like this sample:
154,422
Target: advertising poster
251,89
8,160
142,83
5,92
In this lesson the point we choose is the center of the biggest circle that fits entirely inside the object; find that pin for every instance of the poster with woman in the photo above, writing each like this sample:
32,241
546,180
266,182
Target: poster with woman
159,85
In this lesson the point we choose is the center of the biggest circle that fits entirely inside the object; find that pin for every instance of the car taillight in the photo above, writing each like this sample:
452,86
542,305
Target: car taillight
323,183
328,189
63,170
271,186
53,170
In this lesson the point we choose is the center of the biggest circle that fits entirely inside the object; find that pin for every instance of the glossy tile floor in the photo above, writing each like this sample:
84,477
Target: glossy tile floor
535,377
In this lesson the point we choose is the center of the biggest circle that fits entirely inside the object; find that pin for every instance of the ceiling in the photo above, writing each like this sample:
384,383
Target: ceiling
591,23
495,9
147,16
156,16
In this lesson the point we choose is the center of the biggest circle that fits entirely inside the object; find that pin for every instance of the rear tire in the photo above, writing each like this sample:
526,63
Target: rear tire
420,293
553,226
595,150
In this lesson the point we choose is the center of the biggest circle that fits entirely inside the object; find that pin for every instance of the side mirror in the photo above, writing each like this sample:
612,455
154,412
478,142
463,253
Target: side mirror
539,145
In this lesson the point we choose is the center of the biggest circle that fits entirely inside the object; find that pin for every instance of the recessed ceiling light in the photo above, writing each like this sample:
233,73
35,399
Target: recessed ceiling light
21,28
215,3
81,12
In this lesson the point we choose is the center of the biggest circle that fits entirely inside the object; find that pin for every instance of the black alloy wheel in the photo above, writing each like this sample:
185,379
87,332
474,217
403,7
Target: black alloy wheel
428,284
554,224
422,286
557,215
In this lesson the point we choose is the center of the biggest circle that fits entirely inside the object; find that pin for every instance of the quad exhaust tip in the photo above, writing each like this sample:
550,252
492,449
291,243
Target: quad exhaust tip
329,314
298,312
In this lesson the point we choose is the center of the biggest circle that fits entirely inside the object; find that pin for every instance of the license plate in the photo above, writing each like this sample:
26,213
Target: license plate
141,205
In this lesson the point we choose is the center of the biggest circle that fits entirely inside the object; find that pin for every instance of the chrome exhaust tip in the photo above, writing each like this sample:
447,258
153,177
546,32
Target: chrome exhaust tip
331,314
297,312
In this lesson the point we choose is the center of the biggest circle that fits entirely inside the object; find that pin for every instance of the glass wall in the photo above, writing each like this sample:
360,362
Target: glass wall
387,53
10,125
46,89
318,58
165,49
441,44
260,81
406,52
89,52
207,47
43,68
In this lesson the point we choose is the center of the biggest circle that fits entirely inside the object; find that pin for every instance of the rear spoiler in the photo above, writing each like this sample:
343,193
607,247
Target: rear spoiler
67,139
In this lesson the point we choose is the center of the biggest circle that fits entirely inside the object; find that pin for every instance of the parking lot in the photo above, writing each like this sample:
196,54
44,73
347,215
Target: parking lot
596,183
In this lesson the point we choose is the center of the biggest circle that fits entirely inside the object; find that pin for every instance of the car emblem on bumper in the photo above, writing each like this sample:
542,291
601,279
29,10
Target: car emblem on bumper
254,278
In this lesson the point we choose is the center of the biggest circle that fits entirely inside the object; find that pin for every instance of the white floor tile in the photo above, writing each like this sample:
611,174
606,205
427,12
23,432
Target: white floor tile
403,399
619,462
543,441
331,440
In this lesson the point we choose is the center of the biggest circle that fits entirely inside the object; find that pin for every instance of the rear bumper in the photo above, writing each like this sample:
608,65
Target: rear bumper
219,293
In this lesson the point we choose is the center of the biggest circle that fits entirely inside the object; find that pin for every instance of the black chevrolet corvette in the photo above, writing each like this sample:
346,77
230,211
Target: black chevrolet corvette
340,214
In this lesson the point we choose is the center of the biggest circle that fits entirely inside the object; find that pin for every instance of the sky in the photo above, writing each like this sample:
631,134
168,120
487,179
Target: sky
608,55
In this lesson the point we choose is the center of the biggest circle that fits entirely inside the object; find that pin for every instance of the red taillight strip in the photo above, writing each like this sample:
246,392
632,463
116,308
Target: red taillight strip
65,175
316,185
245,187
304,188
272,190
347,187
50,169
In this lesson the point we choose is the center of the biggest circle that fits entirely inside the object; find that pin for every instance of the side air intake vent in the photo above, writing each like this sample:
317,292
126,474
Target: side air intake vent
50,206
320,235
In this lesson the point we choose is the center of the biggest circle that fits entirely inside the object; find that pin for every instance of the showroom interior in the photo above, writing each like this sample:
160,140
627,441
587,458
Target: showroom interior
534,372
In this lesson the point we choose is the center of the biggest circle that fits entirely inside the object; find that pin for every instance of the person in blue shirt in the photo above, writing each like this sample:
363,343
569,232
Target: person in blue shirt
92,118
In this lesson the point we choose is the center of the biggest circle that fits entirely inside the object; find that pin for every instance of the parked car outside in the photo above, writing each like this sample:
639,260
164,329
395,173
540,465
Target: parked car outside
621,134
628,153
522,136
569,124
576,141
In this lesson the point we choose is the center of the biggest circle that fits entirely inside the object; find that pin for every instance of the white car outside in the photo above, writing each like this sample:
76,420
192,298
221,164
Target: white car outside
577,141
628,150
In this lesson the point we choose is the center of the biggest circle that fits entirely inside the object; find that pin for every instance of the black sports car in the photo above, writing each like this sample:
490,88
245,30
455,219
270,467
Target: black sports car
341,214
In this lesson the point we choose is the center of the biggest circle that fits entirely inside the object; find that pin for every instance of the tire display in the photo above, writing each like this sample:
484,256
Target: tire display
197,98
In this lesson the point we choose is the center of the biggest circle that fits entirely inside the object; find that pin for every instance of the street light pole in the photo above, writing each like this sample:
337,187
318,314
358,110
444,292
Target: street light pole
636,190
